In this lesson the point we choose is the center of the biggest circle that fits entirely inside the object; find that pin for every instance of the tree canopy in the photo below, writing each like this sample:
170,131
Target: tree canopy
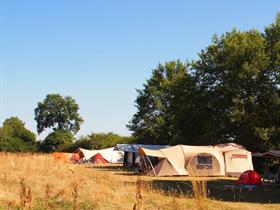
58,113
14,137
57,141
231,93
99,141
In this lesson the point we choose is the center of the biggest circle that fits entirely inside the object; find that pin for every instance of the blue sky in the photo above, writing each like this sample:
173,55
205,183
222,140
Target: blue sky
99,51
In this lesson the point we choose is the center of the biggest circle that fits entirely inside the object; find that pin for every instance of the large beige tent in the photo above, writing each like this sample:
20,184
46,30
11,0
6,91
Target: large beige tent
219,160
108,154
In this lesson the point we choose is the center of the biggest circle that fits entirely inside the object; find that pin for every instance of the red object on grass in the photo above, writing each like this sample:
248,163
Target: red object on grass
98,159
249,177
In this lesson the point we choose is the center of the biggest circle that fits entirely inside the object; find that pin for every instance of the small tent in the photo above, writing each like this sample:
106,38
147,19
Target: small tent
98,159
249,177
62,156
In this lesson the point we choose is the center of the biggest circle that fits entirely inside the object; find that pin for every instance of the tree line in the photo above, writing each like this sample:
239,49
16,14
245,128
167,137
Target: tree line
60,114
231,93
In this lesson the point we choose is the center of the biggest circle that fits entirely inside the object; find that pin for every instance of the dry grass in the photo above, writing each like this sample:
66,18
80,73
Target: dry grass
36,181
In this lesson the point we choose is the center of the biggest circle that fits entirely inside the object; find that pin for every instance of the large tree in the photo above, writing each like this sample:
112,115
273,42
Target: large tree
239,76
230,94
58,113
57,141
157,101
15,137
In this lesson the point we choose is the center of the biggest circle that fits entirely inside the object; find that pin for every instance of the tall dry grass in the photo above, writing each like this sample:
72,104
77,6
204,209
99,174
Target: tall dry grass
32,181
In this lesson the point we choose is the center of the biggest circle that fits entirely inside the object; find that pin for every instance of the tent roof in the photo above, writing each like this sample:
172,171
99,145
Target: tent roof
87,153
134,148
228,147
149,152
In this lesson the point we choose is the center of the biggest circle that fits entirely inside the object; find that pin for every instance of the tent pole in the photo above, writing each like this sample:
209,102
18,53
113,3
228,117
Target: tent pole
140,161
146,166
151,165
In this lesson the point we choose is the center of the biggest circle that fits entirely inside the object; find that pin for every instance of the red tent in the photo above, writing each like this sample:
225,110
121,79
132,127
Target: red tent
98,159
249,177
75,157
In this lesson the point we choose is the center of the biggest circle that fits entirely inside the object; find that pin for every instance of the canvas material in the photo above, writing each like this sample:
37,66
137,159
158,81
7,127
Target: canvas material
182,159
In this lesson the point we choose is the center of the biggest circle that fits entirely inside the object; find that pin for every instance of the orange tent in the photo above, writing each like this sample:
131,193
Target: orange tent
62,156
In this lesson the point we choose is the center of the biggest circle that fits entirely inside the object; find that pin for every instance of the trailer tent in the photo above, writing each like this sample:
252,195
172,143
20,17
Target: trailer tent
131,151
220,160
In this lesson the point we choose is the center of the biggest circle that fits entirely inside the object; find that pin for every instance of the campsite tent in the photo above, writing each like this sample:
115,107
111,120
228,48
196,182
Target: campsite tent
131,151
98,159
227,159
62,156
269,157
85,154
107,154
249,177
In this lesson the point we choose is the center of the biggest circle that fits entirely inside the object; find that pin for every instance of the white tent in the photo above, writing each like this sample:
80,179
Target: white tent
108,154
111,155
219,160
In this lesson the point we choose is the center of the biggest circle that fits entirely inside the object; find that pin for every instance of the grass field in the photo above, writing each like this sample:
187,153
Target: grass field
37,182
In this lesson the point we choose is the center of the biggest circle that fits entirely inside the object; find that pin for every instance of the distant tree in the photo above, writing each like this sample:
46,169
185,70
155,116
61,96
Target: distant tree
15,137
58,113
57,141
100,141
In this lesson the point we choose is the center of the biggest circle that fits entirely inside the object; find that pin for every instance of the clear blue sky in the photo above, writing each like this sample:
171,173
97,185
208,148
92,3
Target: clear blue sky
99,51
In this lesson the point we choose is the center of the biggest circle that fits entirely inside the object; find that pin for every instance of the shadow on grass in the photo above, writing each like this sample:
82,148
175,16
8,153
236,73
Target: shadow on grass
118,169
218,191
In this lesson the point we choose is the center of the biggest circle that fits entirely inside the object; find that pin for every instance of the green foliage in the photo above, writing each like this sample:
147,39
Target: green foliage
59,113
14,137
231,93
153,122
57,141
100,141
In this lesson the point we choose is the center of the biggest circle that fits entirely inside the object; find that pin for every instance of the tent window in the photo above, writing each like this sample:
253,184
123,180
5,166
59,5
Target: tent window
204,162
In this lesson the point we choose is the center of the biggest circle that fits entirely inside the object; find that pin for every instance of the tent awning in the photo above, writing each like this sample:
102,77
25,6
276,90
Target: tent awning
149,152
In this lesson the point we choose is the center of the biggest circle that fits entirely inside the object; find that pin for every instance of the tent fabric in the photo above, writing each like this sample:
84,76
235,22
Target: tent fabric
108,154
163,168
85,153
249,177
211,169
153,153
62,156
238,161
227,159
131,151
98,159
